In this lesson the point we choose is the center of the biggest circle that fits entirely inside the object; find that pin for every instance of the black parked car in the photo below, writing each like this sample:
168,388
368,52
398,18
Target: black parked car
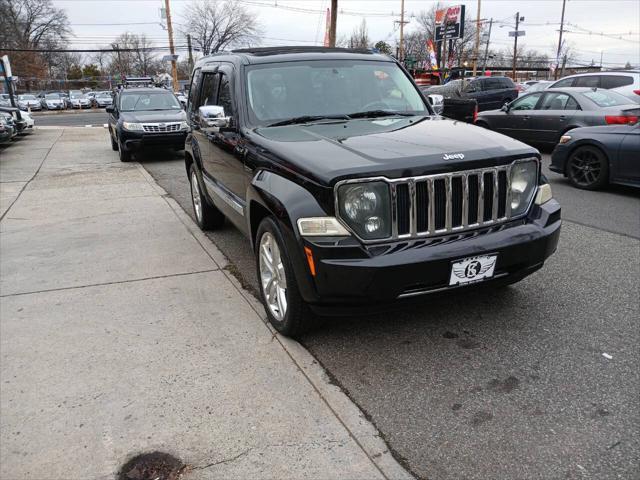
352,191
146,117
541,118
594,156
489,92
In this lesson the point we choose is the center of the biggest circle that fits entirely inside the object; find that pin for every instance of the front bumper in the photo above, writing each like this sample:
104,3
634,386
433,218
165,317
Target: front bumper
350,276
138,140
559,158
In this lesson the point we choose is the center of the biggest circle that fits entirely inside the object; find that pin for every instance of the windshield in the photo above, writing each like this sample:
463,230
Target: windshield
605,98
52,96
27,97
329,88
78,95
103,95
139,101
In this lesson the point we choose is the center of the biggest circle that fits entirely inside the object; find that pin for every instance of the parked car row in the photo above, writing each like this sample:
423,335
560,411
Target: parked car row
13,122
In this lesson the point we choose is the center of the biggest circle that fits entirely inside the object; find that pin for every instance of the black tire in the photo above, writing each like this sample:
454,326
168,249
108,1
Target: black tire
297,318
588,168
125,155
114,144
208,217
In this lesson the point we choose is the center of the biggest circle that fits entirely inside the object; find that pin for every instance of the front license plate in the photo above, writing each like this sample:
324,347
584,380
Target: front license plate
472,269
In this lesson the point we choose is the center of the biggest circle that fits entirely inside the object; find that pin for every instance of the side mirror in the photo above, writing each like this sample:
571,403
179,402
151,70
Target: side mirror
109,109
505,108
437,102
213,116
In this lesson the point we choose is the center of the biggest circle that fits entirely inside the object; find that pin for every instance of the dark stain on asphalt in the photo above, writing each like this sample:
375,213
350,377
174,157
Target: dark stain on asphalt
152,466
467,343
456,406
600,412
480,418
507,385
449,334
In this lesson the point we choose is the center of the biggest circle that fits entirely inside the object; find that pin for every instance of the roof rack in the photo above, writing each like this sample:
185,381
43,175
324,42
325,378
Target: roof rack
263,51
138,82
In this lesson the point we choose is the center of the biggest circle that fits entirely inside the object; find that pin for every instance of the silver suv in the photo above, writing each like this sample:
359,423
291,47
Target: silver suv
625,82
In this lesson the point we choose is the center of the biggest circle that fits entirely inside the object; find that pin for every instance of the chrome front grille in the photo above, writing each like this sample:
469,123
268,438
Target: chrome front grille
446,203
449,202
161,127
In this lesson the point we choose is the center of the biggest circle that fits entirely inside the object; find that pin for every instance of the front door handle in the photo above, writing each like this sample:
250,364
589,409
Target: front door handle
526,118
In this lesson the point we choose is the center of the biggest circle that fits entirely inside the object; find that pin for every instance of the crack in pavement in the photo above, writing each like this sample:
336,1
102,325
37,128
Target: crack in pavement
170,275
226,460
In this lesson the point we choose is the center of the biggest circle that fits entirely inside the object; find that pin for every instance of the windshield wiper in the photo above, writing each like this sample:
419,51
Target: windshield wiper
307,119
379,113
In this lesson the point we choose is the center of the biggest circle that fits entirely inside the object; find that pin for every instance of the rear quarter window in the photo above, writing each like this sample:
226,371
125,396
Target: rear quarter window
605,98
615,81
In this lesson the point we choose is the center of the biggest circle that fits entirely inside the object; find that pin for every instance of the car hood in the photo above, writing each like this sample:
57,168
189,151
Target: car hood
154,116
390,147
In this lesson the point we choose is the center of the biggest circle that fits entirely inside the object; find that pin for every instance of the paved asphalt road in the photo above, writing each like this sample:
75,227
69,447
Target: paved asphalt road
71,118
505,384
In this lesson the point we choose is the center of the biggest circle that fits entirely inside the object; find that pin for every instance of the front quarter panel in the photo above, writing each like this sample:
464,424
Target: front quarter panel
287,202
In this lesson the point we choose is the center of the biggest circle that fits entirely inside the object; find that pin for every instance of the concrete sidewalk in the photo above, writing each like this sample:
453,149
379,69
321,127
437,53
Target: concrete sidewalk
122,333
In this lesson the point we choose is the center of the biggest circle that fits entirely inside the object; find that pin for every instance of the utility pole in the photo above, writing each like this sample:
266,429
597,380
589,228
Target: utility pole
334,23
486,48
401,52
190,53
515,47
555,74
601,53
475,55
172,49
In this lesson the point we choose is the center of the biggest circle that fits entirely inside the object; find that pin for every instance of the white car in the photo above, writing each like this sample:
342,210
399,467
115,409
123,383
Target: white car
625,82
28,101
102,100
30,123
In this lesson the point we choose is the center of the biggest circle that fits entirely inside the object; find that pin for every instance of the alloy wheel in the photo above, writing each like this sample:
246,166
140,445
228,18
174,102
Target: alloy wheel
273,277
195,196
585,168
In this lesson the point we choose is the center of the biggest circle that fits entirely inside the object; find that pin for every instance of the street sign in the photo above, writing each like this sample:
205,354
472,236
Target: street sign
453,31
453,18
520,33
170,58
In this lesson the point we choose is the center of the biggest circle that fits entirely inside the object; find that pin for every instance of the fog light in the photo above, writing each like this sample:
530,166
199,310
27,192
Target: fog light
373,224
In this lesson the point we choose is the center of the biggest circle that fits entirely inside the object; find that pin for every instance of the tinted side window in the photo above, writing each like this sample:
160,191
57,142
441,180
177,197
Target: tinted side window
507,82
615,81
588,81
558,101
565,82
492,84
528,102
225,99
194,89
209,93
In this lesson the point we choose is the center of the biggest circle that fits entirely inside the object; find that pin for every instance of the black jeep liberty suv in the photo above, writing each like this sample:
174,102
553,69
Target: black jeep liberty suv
351,190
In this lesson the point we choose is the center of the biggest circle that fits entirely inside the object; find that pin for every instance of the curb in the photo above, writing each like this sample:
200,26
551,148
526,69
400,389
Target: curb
363,432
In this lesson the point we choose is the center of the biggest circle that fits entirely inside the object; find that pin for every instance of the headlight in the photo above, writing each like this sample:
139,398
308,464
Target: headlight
524,176
184,126
544,194
564,139
321,226
366,208
134,127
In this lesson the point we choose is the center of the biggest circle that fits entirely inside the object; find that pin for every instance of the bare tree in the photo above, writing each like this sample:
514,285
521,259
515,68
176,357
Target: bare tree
31,24
139,59
360,36
215,25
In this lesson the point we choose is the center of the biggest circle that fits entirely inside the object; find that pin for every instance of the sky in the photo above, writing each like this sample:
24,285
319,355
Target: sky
593,27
